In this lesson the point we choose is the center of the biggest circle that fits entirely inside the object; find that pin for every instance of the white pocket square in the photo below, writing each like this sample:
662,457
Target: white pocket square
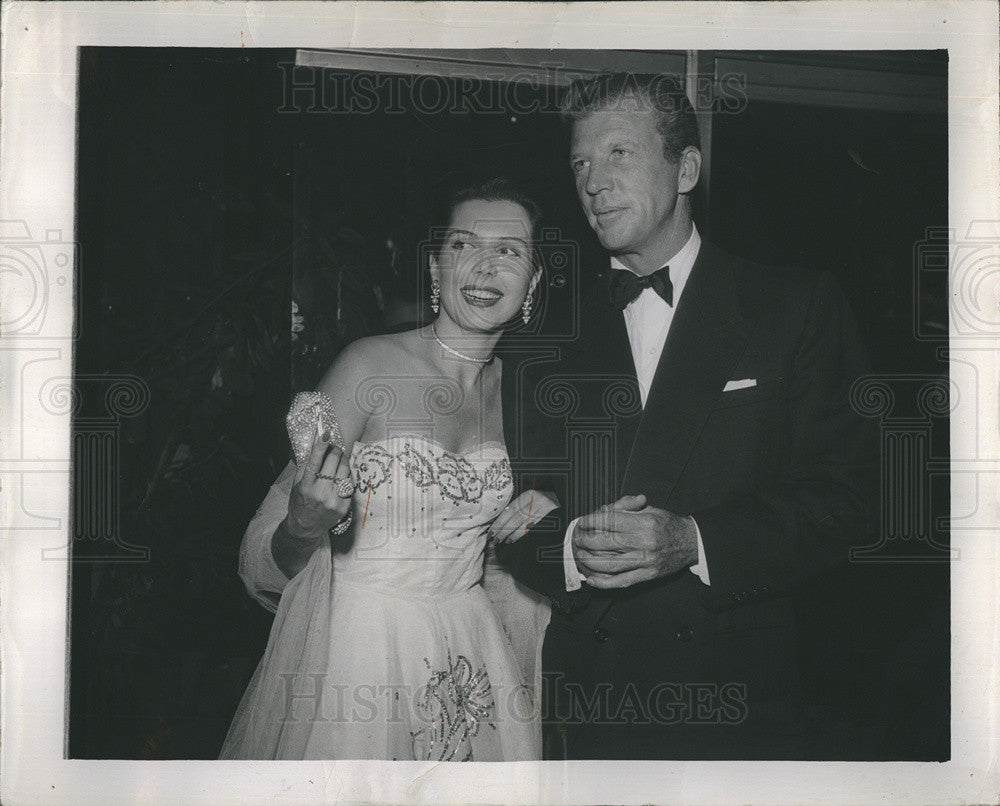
745,383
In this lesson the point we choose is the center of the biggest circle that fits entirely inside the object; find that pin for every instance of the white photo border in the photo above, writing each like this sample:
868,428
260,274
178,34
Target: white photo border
37,186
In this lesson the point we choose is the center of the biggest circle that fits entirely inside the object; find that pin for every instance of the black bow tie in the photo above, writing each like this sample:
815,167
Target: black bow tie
626,286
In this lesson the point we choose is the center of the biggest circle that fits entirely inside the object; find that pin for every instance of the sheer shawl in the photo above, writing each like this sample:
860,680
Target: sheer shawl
261,576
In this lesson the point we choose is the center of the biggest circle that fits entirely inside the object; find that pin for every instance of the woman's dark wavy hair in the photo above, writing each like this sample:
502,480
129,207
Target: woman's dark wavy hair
637,92
495,189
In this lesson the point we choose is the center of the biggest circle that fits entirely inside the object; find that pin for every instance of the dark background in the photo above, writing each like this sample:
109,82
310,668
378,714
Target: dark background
206,204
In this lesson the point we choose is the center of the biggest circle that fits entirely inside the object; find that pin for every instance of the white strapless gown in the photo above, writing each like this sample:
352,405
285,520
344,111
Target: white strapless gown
391,650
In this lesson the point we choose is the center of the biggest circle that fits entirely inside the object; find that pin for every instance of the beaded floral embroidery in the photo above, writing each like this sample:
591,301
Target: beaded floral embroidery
373,465
455,477
455,702
458,479
416,466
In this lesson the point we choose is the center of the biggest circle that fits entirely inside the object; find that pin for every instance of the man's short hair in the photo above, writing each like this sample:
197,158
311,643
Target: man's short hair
637,92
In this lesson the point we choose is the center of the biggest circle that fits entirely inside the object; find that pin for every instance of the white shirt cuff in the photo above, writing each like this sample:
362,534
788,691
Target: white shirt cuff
700,568
574,579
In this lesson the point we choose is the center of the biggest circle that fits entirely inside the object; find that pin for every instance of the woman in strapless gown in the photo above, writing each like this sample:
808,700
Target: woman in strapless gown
385,643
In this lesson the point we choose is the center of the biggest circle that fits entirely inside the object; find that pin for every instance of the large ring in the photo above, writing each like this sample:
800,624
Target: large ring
343,526
346,487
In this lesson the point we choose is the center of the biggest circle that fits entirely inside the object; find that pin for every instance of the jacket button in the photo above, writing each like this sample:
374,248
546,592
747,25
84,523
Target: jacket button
738,597
600,635
685,634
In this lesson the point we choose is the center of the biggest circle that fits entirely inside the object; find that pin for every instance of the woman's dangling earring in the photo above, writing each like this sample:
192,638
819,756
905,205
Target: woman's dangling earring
435,295
526,309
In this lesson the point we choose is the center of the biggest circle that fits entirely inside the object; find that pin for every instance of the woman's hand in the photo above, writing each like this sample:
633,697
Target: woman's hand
321,495
521,514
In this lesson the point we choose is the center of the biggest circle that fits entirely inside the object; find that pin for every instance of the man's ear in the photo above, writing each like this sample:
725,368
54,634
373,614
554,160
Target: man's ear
689,170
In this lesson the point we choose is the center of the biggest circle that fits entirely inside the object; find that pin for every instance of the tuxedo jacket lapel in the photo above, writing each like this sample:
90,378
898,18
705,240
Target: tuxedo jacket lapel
597,365
607,352
597,360
706,339
627,421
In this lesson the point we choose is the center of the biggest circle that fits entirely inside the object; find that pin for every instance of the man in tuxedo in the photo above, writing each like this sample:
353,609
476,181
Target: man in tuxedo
699,431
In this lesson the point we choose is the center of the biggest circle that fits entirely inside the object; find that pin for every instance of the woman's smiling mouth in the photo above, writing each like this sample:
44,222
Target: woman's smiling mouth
481,297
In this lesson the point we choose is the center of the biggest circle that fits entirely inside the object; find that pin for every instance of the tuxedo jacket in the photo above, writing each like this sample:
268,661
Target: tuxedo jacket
779,473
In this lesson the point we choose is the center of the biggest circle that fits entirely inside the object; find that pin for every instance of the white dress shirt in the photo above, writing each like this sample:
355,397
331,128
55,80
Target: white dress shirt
647,320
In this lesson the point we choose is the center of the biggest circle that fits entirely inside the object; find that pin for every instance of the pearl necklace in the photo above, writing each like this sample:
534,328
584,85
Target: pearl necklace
457,354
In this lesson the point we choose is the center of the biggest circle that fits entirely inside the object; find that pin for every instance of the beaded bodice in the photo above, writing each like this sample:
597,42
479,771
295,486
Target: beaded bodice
421,514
